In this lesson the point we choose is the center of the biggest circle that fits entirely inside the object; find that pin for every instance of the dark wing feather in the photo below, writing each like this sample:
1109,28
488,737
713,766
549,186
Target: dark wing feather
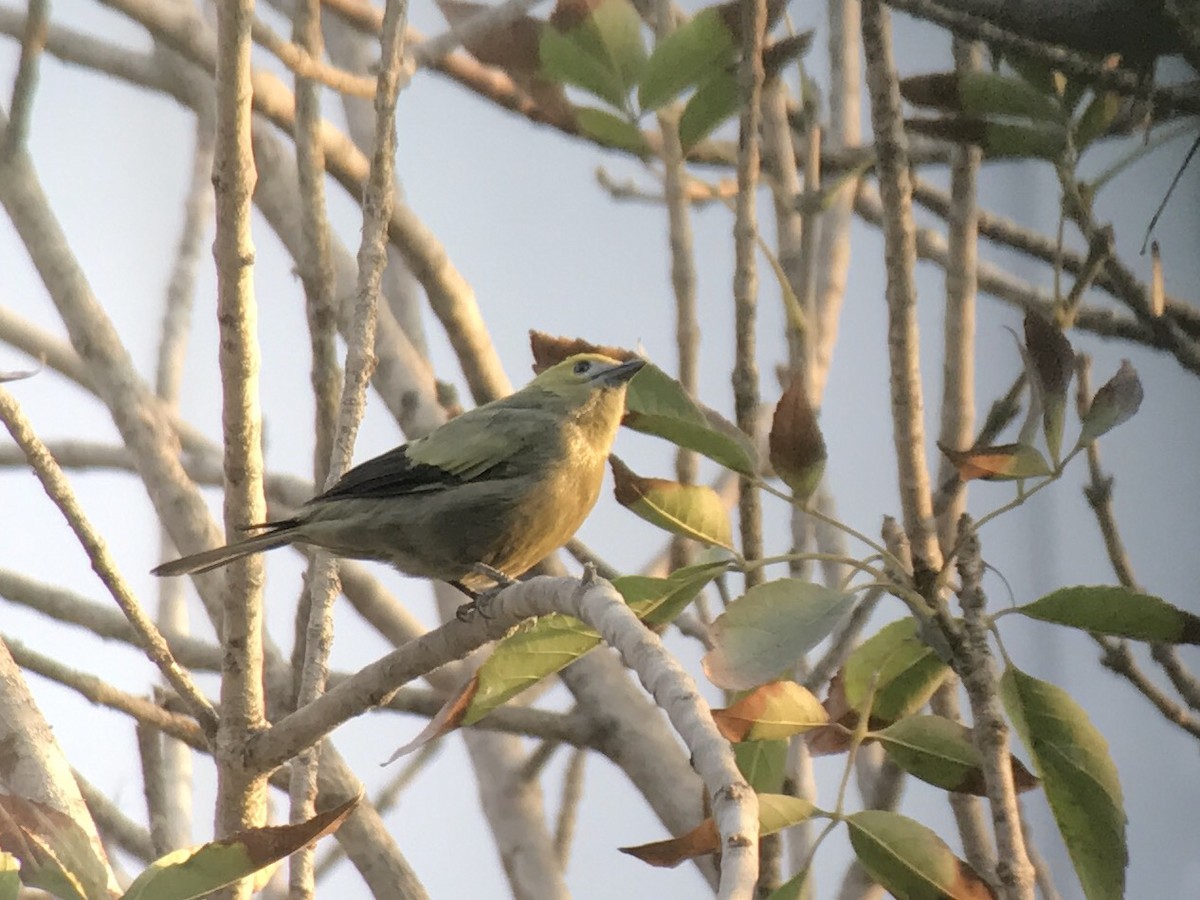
487,442
392,474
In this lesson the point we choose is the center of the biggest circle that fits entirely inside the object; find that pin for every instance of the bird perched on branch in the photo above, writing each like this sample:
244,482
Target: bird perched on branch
476,501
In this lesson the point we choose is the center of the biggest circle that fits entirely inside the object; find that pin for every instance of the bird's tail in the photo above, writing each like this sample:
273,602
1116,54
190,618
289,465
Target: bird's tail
281,533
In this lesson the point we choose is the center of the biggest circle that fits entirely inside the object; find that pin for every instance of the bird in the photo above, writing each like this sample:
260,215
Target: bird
476,502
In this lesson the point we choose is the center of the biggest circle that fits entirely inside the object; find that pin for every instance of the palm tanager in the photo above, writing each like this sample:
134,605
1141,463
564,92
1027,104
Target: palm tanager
480,499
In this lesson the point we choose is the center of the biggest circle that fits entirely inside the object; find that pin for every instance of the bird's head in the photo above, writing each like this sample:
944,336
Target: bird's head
589,388
579,377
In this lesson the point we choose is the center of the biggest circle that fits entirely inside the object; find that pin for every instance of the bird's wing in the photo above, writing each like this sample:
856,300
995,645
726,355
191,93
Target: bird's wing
462,450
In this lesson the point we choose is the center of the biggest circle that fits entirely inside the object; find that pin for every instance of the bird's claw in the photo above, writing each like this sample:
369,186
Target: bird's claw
481,600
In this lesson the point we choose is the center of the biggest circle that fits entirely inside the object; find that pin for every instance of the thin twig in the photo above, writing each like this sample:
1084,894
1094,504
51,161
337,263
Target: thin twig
568,809
745,278
998,283
308,65
844,130
97,690
20,110
683,271
59,491
900,254
1099,497
1005,232
958,344
387,798
169,804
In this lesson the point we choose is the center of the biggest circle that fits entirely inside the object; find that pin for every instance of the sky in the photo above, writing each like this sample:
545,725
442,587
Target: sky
522,216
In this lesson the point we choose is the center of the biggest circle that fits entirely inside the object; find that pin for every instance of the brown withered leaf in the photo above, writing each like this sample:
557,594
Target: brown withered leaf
797,448
669,853
274,842
447,719
778,709
549,350
1002,462
1050,351
512,46
1023,779
569,13
834,737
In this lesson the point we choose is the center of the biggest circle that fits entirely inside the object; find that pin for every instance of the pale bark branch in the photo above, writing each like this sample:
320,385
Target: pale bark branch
241,793
1014,873
36,770
900,254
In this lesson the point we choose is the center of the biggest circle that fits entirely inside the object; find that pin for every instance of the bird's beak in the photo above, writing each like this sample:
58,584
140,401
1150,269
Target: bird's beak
622,373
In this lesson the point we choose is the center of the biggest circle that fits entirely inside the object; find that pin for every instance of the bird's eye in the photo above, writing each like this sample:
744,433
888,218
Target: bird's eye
583,367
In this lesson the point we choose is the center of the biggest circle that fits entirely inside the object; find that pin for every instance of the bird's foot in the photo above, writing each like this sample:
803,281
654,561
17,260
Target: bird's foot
481,600
495,574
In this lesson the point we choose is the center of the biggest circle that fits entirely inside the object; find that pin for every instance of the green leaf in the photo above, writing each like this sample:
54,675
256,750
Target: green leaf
762,633
10,876
657,601
657,404
1096,119
604,53
693,511
989,94
535,649
1036,72
611,130
998,139
714,102
779,811
910,861
198,871
904,670
687,56
762,763
564,60
1109,609
940,751
539,647
618,29
795,888
1114,404
1079,779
